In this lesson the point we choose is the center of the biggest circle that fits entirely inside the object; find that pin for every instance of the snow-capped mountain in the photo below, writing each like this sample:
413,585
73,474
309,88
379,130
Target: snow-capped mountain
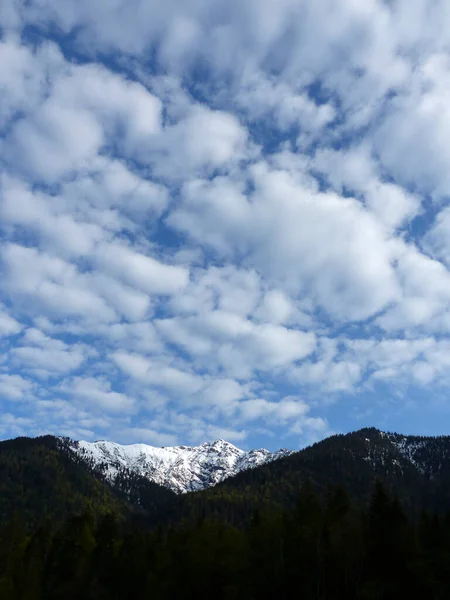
179,468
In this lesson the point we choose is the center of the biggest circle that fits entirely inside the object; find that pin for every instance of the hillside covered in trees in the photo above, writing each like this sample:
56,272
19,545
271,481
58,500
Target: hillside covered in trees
330,549
415,469
42,478
360,516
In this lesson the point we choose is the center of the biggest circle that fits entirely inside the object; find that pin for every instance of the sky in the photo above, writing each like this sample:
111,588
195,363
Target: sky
224,219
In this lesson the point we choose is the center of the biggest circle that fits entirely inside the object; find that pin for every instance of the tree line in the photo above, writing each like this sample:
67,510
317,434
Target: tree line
324,548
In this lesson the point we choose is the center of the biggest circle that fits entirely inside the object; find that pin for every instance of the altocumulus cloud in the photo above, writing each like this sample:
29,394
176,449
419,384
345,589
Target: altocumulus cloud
234,223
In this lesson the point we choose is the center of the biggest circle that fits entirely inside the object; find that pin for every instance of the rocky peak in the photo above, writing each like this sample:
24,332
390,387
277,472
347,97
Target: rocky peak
179,468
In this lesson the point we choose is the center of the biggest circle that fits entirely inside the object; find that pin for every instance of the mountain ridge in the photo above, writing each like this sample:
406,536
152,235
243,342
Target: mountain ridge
186,468
415,468
37,474
179,468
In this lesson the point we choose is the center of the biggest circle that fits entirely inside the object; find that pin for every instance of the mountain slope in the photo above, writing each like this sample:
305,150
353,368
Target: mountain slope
415,468
58,477
39,478
43,477
179,468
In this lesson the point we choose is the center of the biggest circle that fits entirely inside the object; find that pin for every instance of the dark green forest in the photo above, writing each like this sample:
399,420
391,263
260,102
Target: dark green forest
348,518
321,549
41,477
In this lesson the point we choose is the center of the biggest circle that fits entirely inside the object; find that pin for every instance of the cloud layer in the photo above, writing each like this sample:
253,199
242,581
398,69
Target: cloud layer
218,219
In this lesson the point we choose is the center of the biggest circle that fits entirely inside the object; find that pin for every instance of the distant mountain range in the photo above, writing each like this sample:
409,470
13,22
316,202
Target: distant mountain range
54,477
179,468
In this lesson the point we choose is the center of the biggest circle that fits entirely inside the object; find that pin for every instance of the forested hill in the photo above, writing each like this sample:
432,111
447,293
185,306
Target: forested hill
322,549
344,519
416,469
44,476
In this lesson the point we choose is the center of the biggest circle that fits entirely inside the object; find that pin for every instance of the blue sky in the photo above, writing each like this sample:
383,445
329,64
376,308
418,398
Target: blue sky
224,219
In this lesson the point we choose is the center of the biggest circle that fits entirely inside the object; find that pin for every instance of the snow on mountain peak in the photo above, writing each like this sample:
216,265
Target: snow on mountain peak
180,468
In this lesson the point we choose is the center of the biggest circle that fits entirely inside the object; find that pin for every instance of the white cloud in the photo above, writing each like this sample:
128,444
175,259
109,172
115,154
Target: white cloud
290,412
225,394
96,394
15,387
356,170
142,271
55,141
226,288
334,376
159,374
47,282
239,345
402,362
25,76
411,140
264,97
46,356
86,107
40,214
112,185
276,307
140,336
127,301
425,297
437,239
244,218
323,244
202,140
48,361
284,410
12,425
8,325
